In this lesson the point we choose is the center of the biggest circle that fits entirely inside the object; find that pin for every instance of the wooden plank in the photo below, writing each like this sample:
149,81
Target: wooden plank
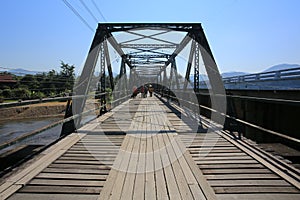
206,188
161,186
150,192
120,179
54,189
29,172
248,183
79,166
98,145
71,176
139,183
212,150
77,171
94,147
84,160
66,182
128,184
101,138
221,162
236,171
241,176
96,162
255,189
85,153
48,158
67,156
204,143
178,173
9,191
111,179
88,158
217,154
150,185
19,196
191,180
106,141
160,176
258,196
229,166
215,148
224,158
169,175
98,152
272,165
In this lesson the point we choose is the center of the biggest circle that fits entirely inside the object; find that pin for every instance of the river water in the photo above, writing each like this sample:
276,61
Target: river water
12,129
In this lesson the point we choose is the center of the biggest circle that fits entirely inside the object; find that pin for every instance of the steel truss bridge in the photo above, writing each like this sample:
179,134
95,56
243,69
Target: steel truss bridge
179,144
149,53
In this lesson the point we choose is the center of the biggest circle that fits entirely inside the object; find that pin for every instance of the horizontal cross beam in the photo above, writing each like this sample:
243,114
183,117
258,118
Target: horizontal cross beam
146,56
149,46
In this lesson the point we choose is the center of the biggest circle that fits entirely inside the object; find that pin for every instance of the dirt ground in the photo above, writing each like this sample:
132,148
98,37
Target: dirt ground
50,109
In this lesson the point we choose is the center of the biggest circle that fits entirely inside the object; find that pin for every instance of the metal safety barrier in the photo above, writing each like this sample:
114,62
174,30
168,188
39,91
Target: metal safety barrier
189,105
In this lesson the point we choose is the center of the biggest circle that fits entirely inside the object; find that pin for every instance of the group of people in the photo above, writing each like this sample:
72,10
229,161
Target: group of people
144,89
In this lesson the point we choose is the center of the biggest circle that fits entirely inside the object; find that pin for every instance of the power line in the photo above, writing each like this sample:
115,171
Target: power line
77,14
99,10
86,7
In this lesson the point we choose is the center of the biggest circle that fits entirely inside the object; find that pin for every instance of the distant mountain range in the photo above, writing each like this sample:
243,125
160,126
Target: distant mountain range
230,74
272,68
21,72
281,67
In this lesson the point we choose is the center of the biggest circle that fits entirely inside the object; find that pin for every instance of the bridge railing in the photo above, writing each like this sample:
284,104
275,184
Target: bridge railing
16,142
35,132
285,74
194,106
45,100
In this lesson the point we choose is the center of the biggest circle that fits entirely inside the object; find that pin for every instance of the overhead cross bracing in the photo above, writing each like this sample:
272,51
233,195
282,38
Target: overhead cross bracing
162,53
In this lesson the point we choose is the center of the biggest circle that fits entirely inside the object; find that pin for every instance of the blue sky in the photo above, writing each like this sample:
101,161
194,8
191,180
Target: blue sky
244,35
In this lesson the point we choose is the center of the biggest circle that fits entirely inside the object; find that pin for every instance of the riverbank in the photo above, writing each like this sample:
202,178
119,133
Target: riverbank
42,110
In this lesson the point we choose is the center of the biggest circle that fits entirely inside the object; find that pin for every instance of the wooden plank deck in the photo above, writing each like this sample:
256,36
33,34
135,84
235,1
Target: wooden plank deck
77,170
158,158
152,163
232,170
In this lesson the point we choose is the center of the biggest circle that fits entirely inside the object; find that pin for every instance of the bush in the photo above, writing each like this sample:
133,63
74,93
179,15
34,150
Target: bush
7,93
21,93
37,95
109,97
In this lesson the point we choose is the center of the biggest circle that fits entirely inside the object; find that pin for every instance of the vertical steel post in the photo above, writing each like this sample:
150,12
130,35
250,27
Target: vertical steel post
196,68
189,65
106,52
171,77
82,87
102,79
174,66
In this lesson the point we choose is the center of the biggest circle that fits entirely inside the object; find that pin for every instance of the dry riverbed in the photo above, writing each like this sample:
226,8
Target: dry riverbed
50,109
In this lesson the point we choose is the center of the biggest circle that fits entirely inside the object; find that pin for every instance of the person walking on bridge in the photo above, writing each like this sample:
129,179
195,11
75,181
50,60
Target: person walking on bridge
151,89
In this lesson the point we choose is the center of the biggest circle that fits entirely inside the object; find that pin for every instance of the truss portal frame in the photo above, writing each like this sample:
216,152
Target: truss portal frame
147,55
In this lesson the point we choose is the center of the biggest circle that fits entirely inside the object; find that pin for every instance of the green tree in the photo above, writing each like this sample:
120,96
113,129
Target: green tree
29,81
67,74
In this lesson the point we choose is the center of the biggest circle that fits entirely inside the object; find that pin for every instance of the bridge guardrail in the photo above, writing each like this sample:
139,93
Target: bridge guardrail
45,128
49,99
265,76
245,123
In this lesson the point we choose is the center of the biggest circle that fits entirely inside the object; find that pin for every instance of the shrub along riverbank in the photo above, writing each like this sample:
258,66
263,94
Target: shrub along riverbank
41,85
